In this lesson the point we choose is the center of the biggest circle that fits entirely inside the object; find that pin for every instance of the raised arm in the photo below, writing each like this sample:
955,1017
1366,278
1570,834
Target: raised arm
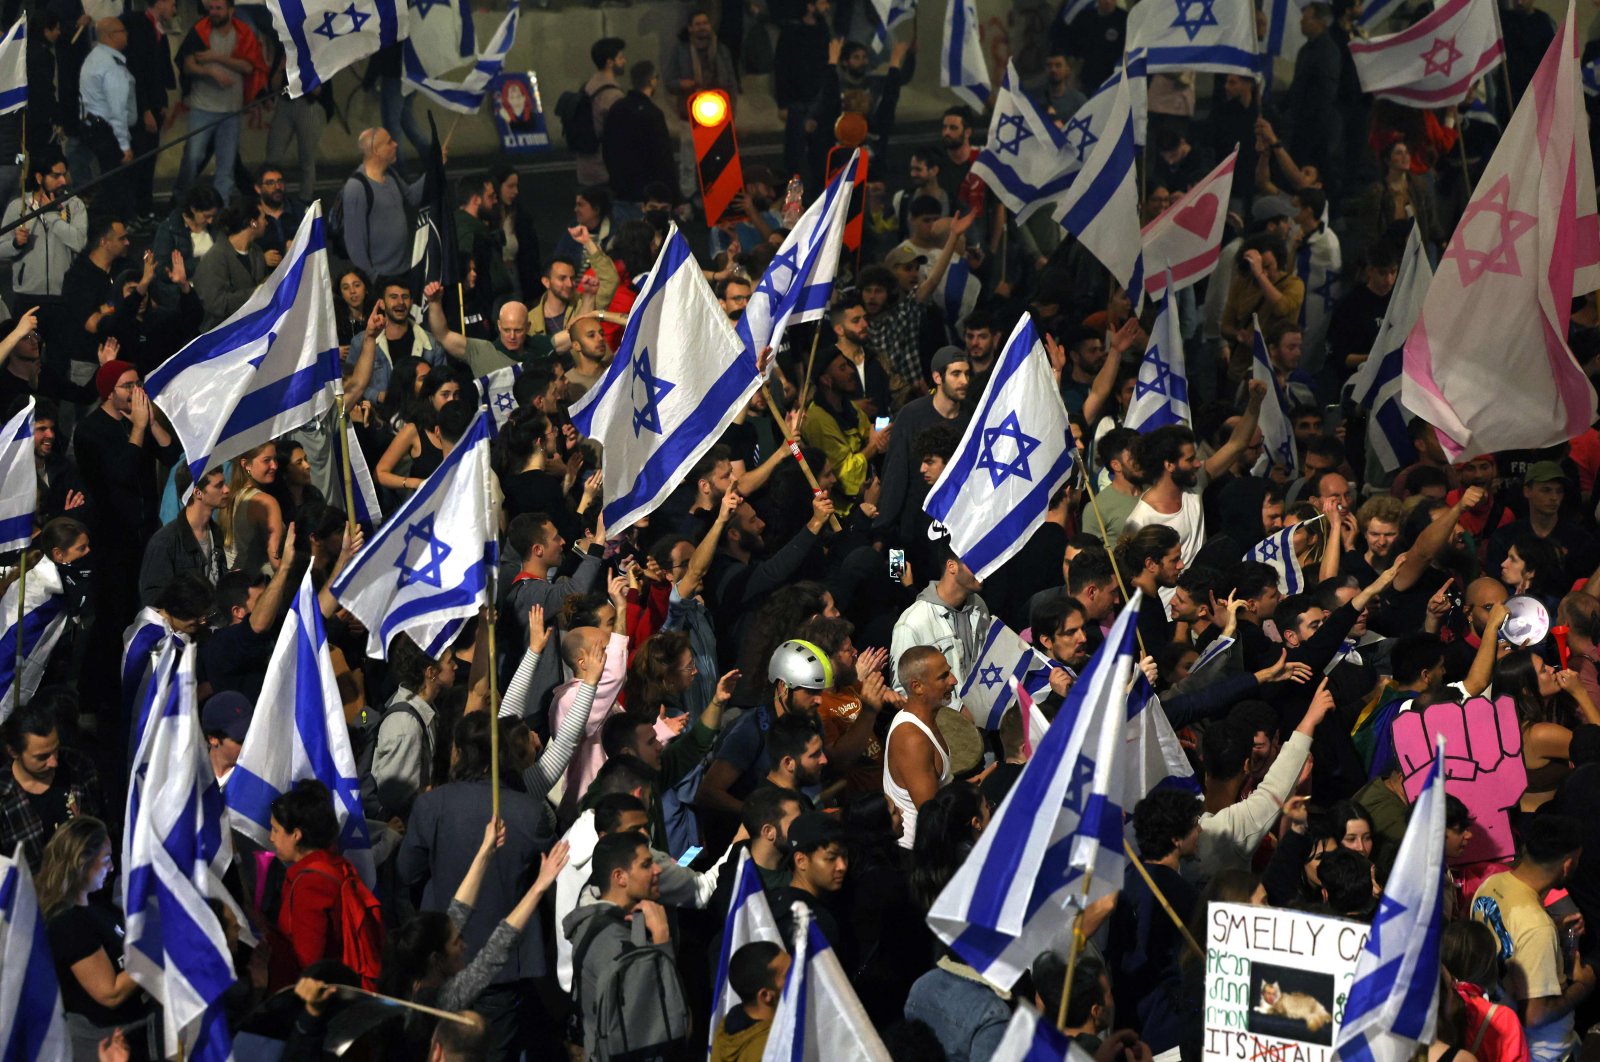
1432,540
1243,431
695,575
452,343
958,228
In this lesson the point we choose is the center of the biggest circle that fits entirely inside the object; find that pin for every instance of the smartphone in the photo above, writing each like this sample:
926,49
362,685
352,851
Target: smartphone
897,564
881,423
689,855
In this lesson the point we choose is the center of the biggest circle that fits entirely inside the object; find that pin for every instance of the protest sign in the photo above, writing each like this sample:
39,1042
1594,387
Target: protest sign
1276,982
519,113
1483,766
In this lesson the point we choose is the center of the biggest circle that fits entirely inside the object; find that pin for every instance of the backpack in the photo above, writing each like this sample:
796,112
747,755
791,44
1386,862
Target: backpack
361,919
333,217
641,1013
678,810
576,111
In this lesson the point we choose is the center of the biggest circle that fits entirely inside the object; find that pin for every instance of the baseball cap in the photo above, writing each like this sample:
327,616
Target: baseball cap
227,713
1271,208
906,253
814,830
945,355
1544,472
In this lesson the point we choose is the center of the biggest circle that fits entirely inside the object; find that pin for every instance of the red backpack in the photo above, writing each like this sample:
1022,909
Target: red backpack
361,919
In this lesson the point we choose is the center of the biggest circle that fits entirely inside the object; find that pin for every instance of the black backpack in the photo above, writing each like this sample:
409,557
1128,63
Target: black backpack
333,213
576,111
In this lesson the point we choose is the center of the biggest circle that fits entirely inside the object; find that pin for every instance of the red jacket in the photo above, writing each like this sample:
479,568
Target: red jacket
246,46
309,918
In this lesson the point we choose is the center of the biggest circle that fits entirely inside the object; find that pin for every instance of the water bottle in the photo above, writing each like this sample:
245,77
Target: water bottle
793,202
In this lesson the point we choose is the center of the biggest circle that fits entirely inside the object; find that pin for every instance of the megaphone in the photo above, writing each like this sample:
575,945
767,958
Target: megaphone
1528,622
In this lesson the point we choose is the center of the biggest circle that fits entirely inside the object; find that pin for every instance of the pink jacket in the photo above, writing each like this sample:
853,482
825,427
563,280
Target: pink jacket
587,760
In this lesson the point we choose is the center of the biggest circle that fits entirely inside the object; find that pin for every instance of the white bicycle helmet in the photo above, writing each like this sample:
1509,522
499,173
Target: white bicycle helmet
800,665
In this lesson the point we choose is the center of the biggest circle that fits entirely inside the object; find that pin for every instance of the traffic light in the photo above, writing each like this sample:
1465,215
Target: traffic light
716,151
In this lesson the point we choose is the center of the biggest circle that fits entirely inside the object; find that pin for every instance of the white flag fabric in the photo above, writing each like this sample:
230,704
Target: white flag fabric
887,15
749,920
1377,384
426,571
14,68
1218,36
298,731
797,284
1031,1038
1284,37
1319,263
1027,162
1394,1001
1501,298
44,617
680,376
1017,449
1186,239
1161,392
35,1029
363,489
176,840
1434,62
1102,207
1005,659
322,37
263,372
1277,430
819,1018
496,391
1014,895
19,480
962,68
1085,128
440,37
466,96
1277,549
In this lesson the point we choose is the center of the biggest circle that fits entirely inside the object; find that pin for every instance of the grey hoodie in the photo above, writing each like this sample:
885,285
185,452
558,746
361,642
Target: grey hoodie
606,947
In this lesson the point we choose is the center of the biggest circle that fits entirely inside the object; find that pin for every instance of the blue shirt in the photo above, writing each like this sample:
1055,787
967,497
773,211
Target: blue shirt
105,88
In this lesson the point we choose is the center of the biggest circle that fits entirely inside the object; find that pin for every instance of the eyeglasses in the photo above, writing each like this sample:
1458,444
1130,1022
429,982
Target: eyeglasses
690,669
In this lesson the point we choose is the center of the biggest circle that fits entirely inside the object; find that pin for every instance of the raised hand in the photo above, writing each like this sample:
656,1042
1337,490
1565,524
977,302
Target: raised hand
591,662
431,290
538,633
551,864
108,351
726,685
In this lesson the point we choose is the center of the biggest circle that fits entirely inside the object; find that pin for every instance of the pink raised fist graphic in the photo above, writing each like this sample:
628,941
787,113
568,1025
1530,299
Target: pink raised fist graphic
1482,766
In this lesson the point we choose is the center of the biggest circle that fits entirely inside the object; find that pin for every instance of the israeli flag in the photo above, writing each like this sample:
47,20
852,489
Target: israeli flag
14,68
1277,431
1376,384
29,993
961,65
441,37
1277,549
1086,128
1212,652
1155,755
1318,263
958,294
995,490
1375,12
426,571
1161,393
1031,1038
466,96
1004,660
142,645
176,846
1590,73
1102,207
363,489
19,481
322,37
1027,161
1056,842
819,1018
1284,37
798,284
680,376
497,394
1394,1001
298,731
749,920
888,14
44,617
263,372
1218,36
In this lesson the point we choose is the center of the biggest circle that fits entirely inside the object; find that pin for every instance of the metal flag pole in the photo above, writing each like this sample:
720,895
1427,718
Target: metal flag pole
22,611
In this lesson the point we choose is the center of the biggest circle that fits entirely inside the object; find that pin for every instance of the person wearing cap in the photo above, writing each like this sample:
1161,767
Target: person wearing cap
836,422
1261,292
900,500
225,719
1544,486
817,865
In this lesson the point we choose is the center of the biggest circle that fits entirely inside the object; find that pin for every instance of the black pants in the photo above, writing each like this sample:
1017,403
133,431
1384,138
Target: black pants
143,175
113,197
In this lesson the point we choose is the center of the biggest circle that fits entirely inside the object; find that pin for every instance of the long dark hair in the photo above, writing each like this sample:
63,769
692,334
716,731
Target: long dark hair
1516,675
869,833
944,837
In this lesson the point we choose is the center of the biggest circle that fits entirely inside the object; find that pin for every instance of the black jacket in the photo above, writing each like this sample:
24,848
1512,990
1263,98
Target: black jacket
150,62
173,552
637,147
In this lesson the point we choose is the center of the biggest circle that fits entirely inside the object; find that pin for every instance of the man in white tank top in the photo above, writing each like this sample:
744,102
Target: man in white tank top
916,760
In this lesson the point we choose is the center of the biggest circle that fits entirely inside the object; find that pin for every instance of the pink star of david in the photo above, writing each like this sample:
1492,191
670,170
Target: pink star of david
1501,256
1440,57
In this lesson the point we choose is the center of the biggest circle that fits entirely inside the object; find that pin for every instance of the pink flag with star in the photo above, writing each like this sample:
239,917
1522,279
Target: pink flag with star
1488,363
1435,62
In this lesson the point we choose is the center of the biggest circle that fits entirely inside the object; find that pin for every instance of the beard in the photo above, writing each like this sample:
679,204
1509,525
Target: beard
1185,479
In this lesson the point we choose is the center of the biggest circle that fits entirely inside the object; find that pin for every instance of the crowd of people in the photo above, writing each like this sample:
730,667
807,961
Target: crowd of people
765,668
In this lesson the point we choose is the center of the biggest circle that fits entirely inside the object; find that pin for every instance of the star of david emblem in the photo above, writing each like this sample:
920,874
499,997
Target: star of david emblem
504,402
648,391
357,20
1079,787
1085,141
990,676
788,261
430,570
1012,132
1388,909
1190,23
1161,384
1269,549
422,7
1440,57
1025,444
1501,256
1324,291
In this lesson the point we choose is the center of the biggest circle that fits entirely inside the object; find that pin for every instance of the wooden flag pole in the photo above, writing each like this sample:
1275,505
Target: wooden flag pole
22,612
794,448
1161,899
344,458
1072,953
494,683
1105,536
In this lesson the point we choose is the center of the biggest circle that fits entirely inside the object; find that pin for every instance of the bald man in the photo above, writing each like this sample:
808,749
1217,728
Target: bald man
591,356
577,645
916,760
510,345
377,229
1479,601
110,108
563,296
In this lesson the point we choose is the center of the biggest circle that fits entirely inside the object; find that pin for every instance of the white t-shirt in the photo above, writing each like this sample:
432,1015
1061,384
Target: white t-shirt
1189,522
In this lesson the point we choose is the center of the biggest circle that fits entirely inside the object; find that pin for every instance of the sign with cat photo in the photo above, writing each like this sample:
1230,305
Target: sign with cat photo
1276,982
